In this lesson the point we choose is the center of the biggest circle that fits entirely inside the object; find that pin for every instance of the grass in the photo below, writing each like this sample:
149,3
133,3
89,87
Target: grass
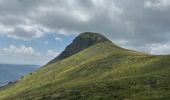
100,72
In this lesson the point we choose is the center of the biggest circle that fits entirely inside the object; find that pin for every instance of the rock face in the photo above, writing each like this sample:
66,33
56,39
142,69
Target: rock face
83,41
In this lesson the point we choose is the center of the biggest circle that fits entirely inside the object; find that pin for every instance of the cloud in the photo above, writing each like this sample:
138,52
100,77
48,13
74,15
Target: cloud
52,54
22,54
61,17
58,39
22,50
160,49
25,55
26,32
157,4
140,23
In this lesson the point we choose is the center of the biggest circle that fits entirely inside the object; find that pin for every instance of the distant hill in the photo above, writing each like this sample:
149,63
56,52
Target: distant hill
93,68
12,72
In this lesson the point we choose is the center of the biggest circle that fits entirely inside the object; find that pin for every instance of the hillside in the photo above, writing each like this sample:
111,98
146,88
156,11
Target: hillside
98,71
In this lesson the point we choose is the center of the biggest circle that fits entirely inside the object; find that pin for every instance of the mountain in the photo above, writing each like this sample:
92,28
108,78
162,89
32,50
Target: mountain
95,69
11,72
80,43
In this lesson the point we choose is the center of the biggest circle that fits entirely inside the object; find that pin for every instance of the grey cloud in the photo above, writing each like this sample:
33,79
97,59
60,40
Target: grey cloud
129,20
25,34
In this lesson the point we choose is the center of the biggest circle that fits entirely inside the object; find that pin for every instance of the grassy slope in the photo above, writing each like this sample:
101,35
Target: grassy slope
101,72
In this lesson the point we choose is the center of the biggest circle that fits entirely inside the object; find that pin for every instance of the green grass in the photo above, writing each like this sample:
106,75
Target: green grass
100,72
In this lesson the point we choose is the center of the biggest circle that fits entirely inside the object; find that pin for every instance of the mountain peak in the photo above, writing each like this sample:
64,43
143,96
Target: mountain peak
95,37
81,42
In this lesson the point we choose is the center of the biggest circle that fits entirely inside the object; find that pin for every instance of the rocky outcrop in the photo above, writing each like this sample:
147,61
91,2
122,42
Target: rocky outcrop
83,41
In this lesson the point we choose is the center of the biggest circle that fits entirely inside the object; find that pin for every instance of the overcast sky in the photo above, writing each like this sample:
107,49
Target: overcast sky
35,31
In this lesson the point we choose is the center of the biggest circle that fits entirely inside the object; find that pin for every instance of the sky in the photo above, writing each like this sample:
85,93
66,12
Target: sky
36,31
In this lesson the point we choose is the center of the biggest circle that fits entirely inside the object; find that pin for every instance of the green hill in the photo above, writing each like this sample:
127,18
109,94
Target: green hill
99,71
